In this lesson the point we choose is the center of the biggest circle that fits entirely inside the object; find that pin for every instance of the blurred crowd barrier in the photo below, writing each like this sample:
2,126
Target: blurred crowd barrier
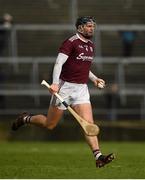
29,46
122,98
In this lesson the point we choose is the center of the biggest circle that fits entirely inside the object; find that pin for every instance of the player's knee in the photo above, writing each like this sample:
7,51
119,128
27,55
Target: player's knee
51,126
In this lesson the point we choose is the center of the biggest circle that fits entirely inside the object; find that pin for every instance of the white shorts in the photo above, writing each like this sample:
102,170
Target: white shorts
72,94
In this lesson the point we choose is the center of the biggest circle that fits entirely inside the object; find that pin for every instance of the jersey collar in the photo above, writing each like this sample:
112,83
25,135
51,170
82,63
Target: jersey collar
87,40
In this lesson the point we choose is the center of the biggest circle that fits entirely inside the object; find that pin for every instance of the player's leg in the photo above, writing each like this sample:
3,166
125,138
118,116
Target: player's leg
49,121
85,111
55,112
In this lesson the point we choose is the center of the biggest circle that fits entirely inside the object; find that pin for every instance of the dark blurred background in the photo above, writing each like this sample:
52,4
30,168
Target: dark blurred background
31,32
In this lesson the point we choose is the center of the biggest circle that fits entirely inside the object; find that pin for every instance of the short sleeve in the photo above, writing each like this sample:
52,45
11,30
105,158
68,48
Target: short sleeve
66,47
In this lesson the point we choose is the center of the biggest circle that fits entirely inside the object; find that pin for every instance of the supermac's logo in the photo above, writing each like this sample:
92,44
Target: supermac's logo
84,58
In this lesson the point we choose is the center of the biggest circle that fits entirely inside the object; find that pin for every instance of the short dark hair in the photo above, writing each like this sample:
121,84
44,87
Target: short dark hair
83,20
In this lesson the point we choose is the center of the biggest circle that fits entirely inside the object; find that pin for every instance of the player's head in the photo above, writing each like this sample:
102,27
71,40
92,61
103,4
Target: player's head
85,26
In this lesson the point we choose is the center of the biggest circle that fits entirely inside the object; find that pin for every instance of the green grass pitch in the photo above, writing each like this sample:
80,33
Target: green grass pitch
69,160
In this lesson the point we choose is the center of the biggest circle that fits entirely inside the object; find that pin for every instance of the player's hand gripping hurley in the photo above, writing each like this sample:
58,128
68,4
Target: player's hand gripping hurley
89,128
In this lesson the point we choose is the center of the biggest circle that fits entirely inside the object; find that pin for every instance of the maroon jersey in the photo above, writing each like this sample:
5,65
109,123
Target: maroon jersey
80,56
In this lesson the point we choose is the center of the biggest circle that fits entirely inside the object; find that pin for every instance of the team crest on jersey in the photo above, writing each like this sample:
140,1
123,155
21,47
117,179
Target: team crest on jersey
86,47
81,47
91,49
